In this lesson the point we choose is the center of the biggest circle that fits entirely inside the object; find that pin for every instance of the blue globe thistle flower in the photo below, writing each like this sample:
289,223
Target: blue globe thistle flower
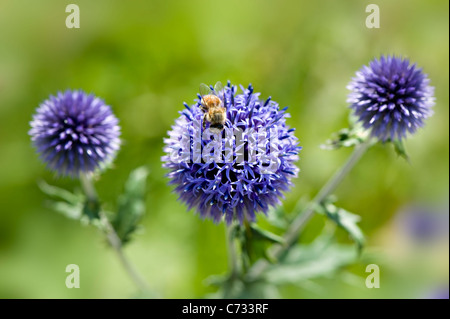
390,97
423,224
238,171
75,133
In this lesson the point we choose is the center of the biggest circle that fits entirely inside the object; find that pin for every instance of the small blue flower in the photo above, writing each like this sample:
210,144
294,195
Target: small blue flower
75,133
390,97
251,164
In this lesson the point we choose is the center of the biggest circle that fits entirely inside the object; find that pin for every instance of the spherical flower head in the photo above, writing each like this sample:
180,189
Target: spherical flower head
75,133
391,97
238,171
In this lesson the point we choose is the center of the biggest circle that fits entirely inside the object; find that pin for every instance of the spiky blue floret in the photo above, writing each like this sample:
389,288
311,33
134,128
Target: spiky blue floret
232,188
391,97
75,133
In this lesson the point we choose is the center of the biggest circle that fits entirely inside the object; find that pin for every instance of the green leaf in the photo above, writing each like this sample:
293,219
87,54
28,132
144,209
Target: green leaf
277,217
215,280
91,209
259,233
400,149
60,193
69,204
306,262
345,220
131,204
69,210
259,290
346,137
237,289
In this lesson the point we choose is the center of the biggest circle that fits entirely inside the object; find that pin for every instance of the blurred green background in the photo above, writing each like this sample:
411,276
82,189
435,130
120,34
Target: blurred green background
145,58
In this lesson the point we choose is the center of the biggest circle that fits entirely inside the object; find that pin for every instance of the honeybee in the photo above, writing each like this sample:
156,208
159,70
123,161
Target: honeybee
213,106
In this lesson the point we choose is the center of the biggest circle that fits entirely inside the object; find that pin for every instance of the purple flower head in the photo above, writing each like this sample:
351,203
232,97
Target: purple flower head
75,133
439,293
423,224
390,97
239,170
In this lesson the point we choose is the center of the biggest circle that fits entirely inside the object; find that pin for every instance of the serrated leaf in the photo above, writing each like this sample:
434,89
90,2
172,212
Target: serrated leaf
259,233
345,220
348,221
131,204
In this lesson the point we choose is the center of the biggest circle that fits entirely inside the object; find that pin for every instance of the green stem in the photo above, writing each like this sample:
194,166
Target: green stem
232,252
298,224
88,187
301,220
111,235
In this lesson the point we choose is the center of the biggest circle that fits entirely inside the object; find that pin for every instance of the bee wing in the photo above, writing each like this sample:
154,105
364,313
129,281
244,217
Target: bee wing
204,89
220,92
218,87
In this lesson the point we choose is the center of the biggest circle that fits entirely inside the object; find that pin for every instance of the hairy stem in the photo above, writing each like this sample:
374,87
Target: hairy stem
300,221
111,235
